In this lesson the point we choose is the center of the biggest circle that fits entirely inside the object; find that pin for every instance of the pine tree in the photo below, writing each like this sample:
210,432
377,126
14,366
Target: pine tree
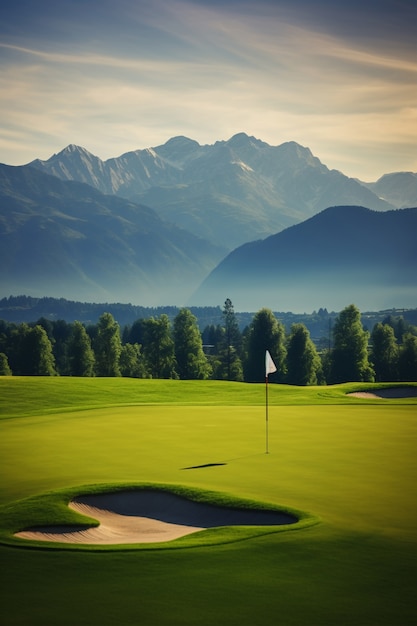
303,361
132,361
349,357
107,346
384,354
265,333
80,353
158,348
229,355
37,347
191,360
407,362
4,365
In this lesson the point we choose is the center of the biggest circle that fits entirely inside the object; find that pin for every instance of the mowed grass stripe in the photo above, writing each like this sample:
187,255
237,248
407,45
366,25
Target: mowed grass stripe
30,395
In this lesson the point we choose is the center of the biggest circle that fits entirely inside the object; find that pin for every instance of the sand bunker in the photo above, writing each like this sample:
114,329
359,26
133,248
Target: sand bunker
149,517
394,392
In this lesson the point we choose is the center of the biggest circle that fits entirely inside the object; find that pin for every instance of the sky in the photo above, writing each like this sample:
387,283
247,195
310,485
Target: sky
121,75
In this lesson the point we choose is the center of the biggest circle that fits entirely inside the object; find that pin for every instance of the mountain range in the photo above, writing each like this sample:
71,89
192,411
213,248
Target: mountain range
151,226
230,192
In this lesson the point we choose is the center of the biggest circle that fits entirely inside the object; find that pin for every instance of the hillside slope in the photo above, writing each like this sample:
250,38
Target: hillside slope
342,255
66,239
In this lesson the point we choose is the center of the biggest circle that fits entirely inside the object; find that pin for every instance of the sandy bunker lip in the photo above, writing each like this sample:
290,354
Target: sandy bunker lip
387,393
150,516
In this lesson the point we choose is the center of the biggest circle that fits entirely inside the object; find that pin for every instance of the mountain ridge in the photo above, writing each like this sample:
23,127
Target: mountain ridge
188,208
255,189
398,188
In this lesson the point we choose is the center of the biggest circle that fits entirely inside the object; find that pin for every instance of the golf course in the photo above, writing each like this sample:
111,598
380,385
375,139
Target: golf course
326,488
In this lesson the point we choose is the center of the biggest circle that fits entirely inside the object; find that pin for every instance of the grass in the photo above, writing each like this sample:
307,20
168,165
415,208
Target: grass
27,395
351,462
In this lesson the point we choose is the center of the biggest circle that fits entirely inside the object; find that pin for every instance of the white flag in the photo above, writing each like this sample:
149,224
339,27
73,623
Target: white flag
269,364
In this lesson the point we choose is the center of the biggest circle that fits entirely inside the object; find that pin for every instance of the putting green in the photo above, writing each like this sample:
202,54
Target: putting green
351,462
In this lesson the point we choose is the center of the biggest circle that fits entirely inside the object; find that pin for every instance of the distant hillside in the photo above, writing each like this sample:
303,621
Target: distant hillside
398,188
345,254
230,192
67,239
24,308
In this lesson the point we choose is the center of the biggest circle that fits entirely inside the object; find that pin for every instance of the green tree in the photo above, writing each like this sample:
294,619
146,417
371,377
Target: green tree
132,363
107,346
62,332
265,333
135,333
349,357
80,353
303,361
399,325
29,351
48,326
4,365
229,355
212,337
14,347
191,361
228,365
326,365
158,348
37,350
407,362
384,354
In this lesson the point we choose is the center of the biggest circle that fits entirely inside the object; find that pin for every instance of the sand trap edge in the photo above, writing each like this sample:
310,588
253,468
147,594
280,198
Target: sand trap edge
385,393
205,537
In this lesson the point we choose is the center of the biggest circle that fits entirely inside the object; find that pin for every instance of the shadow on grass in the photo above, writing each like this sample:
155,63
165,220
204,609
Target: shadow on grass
202,466
238,458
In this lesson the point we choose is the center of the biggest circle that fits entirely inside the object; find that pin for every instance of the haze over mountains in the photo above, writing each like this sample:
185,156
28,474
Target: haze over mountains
66,239
149,226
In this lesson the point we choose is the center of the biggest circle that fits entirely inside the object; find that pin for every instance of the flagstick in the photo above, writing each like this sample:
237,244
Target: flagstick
270,368
266,412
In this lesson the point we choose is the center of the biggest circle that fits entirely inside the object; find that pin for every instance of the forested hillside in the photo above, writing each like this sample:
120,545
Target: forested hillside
319,323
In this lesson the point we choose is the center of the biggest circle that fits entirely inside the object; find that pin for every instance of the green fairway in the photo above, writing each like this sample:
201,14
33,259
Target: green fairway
349,461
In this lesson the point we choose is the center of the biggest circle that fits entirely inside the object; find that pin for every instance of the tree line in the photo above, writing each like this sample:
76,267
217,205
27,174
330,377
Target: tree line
155,347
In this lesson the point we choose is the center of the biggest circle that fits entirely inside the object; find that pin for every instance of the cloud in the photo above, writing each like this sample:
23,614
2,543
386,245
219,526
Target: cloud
143,71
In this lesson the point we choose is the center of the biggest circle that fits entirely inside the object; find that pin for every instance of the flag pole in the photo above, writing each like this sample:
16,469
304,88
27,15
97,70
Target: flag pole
266,415
270,368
